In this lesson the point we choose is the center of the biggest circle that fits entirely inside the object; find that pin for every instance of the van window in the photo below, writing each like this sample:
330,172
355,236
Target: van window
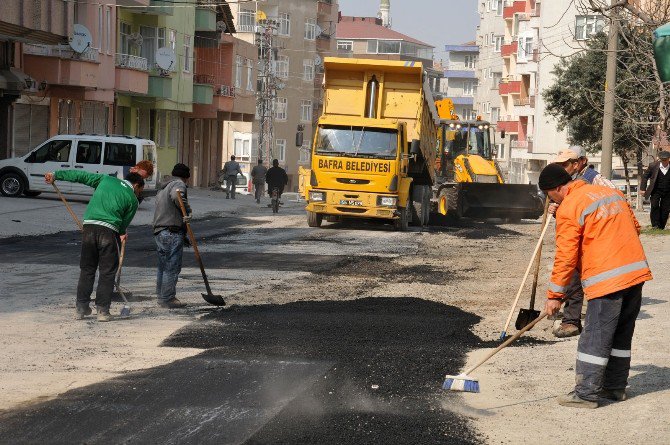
54,151
89,152
149,152
117,153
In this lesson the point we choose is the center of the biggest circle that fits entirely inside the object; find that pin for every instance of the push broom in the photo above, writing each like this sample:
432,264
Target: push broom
464,382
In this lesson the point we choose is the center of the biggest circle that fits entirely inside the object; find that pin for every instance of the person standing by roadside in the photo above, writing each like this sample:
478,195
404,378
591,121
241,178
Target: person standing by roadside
230,171
575,163
170,235
108,214
597,236
276,177
658,191
258,177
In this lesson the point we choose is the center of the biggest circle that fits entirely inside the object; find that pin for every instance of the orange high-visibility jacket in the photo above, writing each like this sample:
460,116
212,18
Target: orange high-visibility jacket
597,235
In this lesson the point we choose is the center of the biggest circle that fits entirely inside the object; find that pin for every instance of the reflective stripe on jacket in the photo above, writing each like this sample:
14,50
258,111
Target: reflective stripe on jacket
597,234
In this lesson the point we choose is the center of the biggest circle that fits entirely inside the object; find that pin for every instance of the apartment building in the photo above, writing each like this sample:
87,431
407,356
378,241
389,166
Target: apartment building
460,78
305,35
534,37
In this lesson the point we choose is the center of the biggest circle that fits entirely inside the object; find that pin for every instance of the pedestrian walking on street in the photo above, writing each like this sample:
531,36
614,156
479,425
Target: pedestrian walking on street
258,177
108,214
658,190
575,162
229,173
597,236
276,177
170,235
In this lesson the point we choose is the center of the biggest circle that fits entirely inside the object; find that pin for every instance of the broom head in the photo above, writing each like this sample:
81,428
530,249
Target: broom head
460,382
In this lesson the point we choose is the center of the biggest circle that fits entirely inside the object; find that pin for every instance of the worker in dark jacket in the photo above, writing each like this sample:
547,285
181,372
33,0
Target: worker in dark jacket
276,177
658,191
170,233
108,214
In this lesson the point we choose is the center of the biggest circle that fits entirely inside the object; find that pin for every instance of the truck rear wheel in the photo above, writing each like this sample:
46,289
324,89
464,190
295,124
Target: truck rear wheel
314,219
421,205
402,223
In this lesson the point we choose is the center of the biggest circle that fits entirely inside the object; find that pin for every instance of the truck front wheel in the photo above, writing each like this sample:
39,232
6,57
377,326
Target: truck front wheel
314,219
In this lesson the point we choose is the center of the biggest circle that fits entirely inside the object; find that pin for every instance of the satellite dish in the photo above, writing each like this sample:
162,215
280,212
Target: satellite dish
318,60
165,58
260,15
221,26
81,38
319,30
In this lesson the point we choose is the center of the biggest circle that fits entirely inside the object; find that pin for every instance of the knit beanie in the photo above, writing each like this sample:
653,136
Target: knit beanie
181,171
552,176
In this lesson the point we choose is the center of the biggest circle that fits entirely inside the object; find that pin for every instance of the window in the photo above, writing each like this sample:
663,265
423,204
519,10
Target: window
124,32
588,25
304,154
388,47
306,111
470,61
492,38
486,40
187,53
495,114
308,70
281,105
250,75
108,30
372,47
497,44
280,148
54,151
100,27
174,130
310,29
281,67
88,152
497,78
238,71
525,47
284,28
497,6
152,39
173,39
345,45
246,20
242,146
469,88
500,148
120,154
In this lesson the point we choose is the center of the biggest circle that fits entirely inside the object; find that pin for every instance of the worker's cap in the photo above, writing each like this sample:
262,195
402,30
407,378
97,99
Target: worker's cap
566,155
665,154
552,176
181,171
578,150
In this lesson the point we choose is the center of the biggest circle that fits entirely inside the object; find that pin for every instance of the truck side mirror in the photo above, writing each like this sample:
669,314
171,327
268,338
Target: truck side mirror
415,147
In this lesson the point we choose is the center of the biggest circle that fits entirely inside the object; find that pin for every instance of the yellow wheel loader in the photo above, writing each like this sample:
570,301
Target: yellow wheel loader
469,181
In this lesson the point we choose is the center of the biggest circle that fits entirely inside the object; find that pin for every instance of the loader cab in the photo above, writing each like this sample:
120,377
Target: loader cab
466,138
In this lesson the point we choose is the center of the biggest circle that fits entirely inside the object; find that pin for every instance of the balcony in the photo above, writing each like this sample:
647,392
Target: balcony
511,87
60,65
515,8
245,28
509,126
131,74
324,8
324,43
156,7
509,49
160,87
203,89
133,3
205,16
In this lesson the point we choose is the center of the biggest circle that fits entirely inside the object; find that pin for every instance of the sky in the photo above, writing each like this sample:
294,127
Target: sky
438,22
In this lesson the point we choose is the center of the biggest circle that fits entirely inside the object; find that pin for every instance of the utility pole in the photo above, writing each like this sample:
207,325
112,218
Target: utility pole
267,91
610,86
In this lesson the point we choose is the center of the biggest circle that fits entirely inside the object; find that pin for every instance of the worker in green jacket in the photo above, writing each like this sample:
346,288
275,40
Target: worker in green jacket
108,214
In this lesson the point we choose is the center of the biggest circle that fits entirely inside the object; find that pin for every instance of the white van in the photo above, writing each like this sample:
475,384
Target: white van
113,155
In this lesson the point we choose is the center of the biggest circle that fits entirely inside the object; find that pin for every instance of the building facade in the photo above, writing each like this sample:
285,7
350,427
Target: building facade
460,78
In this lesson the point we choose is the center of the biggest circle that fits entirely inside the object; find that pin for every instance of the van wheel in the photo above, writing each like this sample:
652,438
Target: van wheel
31,193
11,185
314,219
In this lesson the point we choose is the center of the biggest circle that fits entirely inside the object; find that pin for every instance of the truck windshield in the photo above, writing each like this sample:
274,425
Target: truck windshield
357,142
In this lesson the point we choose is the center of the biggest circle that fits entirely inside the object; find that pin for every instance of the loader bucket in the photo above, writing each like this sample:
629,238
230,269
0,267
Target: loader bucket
513,201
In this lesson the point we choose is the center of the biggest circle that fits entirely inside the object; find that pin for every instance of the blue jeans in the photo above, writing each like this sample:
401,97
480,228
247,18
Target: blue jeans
170,248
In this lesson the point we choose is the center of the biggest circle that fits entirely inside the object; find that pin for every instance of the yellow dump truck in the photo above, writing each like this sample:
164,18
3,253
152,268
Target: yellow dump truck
373,152
469,181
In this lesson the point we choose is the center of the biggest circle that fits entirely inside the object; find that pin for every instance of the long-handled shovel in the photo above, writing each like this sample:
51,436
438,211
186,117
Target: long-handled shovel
209,297
503,334
69,209
527,315
125,310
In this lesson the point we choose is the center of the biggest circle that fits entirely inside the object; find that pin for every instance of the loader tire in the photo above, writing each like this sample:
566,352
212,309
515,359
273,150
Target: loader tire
447,203
402,223
314,219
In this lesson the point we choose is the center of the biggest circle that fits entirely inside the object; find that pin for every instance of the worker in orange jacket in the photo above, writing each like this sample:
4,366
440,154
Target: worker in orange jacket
597,235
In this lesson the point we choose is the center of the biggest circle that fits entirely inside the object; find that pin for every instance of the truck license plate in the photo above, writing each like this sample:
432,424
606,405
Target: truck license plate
350,202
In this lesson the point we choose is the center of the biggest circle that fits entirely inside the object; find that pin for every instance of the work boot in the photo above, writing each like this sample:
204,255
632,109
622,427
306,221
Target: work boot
172,304
227,197
103,315
617,395
258,201
82,312
573,401
566,330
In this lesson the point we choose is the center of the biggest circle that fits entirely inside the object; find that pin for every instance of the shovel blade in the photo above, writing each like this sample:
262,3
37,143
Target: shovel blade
525,317
214,300
125,311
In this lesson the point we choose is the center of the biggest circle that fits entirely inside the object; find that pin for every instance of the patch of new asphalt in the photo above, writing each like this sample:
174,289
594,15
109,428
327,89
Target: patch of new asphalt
321,372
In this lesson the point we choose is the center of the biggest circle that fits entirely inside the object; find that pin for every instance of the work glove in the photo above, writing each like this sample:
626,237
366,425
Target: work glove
186,219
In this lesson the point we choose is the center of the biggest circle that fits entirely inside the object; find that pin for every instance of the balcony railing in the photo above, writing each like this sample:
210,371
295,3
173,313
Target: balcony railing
519,144
207,79
62,52
521,102
132,62
225,91
246,28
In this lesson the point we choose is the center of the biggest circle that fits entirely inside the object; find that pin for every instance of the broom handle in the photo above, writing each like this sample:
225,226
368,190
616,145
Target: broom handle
69,209
194,243
121,256
538,259
507,342
518,294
